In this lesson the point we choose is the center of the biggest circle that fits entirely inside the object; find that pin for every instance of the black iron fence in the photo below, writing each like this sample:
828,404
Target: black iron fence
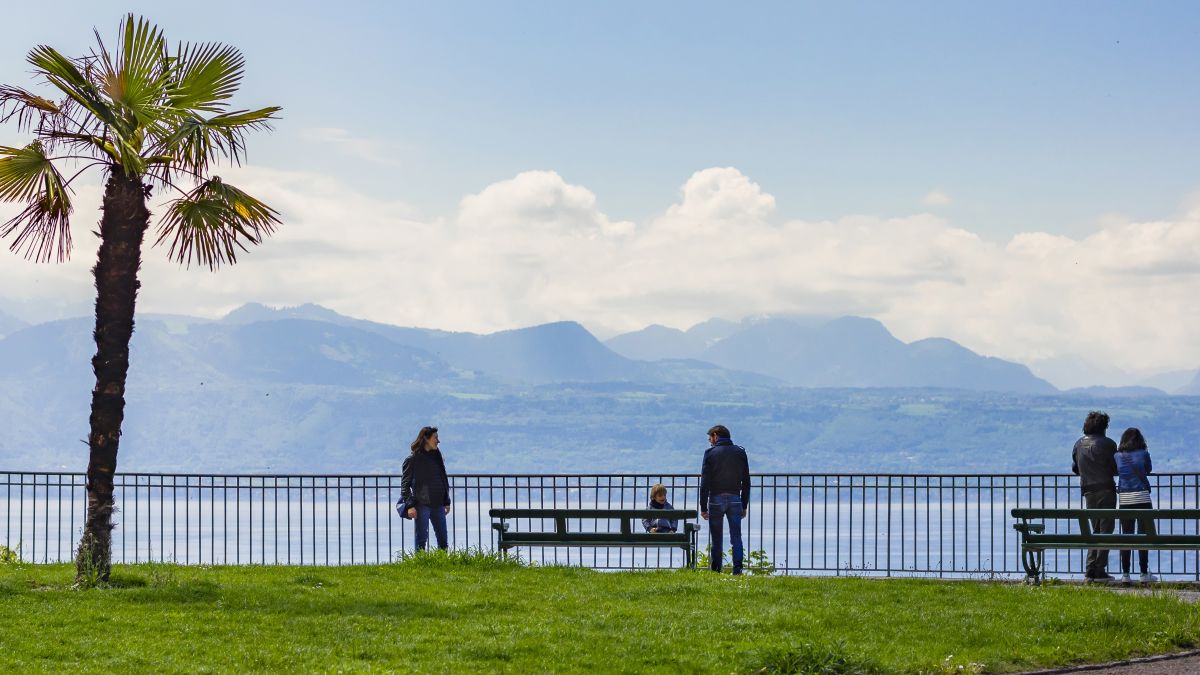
865,524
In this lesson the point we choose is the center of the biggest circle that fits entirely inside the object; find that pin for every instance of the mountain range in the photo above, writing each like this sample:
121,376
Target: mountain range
316,345
838,352
305,389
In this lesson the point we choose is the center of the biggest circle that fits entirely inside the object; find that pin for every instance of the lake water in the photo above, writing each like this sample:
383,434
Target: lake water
918,531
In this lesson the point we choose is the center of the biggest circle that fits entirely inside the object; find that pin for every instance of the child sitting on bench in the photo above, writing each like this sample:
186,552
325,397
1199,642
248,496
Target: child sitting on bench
658,500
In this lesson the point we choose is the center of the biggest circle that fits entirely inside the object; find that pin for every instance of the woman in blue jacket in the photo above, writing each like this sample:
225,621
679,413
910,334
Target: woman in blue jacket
1133,492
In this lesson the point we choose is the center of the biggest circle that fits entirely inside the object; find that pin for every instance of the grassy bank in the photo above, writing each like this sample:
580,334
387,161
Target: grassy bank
473,614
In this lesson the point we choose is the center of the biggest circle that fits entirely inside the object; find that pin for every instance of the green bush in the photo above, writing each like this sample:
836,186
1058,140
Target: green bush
756,562
10,556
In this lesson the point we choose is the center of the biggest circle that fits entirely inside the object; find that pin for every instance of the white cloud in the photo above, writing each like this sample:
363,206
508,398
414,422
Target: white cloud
937,198
537,248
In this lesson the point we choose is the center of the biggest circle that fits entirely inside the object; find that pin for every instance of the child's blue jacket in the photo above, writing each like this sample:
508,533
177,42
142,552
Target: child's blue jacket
660,523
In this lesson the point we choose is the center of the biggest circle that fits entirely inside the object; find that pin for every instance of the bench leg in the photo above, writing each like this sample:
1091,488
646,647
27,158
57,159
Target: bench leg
1033,561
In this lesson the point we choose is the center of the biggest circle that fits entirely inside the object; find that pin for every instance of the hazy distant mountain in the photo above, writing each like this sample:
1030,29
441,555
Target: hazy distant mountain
1073,372
822,352
554,352
656,342
1116,392
1173,381
253,311
10,324
1192,388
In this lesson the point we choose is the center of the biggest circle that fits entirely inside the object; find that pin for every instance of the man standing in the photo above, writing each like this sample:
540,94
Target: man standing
725,494
1094,460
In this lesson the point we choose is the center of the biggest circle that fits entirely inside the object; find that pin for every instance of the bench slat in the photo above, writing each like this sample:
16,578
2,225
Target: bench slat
1075,514
608,538
669,514
506,538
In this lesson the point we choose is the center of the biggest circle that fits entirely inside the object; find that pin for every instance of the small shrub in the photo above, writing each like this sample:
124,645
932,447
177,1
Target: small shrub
755,562
810,659
10,556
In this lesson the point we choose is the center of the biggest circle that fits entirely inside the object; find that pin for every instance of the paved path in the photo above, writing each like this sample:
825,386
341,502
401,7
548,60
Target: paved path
1159,665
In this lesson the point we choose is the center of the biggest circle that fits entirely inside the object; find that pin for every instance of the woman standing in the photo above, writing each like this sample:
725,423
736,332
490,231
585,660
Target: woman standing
425,488
1133,492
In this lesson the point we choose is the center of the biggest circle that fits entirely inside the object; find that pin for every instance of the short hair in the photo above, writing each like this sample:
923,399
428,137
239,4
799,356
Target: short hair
1096,423
719,430
1132,439
423,435
658,489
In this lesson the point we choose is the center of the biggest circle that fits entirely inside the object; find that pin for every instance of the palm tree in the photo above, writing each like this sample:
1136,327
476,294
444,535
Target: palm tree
151,119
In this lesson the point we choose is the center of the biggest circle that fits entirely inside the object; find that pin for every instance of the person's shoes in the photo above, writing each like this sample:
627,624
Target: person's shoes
1148,578
1102,579
1125,578
737,573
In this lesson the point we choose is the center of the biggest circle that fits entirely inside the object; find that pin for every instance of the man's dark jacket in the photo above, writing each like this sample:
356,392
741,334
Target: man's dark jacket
423,480
725,471
1094,460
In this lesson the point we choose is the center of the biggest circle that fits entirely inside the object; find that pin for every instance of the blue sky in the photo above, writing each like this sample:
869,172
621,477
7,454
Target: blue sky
996,119
1031,115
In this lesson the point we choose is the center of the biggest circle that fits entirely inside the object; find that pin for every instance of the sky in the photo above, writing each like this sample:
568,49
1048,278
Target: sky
1019,177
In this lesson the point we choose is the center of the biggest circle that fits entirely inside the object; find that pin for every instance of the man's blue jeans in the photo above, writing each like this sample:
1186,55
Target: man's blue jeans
721,507
426,515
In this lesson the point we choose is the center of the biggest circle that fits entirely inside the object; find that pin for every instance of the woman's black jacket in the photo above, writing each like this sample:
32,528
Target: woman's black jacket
423,481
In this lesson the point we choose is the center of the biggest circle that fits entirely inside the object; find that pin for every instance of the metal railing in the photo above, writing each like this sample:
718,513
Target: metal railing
865,524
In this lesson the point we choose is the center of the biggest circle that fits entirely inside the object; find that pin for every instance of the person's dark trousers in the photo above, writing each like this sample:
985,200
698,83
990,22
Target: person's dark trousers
720,508
435,515
1127,527
1097,559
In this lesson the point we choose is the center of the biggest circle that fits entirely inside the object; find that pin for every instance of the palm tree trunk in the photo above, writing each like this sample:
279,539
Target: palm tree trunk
122,227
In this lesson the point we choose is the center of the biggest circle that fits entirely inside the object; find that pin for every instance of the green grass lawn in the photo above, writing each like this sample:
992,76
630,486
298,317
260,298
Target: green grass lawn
476,614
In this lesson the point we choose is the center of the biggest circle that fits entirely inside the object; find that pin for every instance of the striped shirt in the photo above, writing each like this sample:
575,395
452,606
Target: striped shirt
1131,498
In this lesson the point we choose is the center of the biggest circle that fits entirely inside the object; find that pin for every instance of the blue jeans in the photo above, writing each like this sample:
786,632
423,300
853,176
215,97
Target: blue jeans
426,515
722,507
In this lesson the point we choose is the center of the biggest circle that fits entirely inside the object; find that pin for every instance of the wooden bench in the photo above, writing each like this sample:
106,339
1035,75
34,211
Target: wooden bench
630,534
1035,540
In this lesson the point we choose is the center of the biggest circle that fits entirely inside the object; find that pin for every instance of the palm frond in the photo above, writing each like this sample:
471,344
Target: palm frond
43,227
212,222
197,141
25,106
62,73
21,171
205,76
84,142
136,79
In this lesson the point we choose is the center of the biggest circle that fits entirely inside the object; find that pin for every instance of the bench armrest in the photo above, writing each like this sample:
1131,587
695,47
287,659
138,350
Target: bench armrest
1029,528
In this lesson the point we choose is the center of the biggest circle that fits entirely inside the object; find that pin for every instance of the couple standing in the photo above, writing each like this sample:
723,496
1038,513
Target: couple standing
1096,459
